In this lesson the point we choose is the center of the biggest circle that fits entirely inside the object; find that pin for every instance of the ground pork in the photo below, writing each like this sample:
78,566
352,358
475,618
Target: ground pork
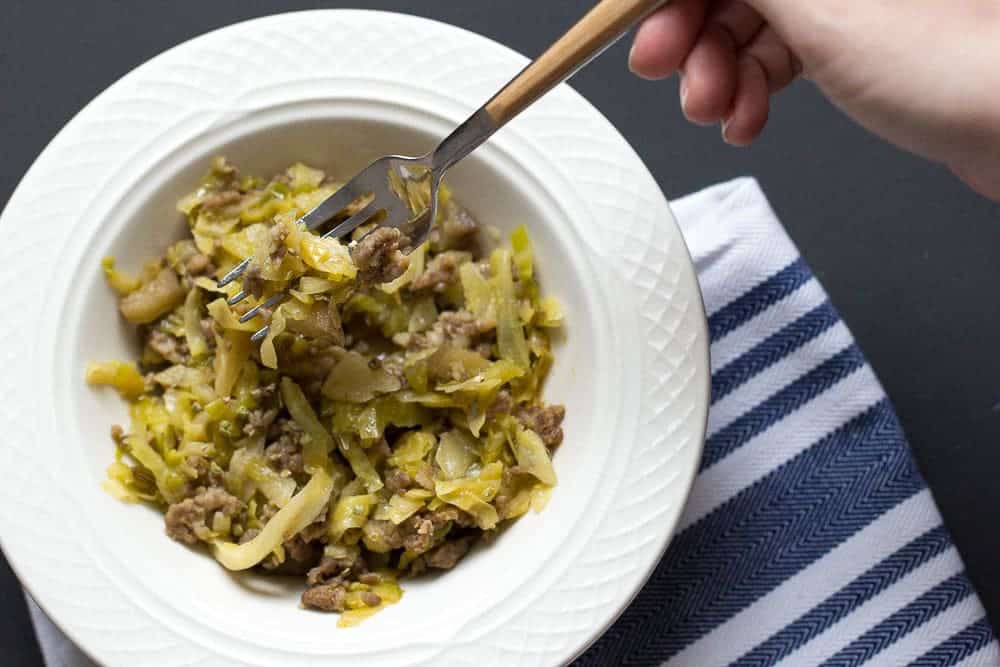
381,536
285,453
350,558
253,281
457,328
199,264
187,521
448,554
259,421
220,199
501,405
379,255
546,421
169,347
325,597
397,480
441,272
458,229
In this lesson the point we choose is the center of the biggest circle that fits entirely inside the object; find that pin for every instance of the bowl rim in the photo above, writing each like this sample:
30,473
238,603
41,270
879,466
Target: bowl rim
35,183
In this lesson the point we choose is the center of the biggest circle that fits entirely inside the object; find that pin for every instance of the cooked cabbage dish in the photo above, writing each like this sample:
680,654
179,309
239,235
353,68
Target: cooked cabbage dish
391,418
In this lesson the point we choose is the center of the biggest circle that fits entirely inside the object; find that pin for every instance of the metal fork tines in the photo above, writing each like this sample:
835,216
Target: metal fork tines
328,209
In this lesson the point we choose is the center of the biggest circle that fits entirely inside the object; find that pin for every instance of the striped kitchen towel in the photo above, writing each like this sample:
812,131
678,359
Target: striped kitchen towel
810,537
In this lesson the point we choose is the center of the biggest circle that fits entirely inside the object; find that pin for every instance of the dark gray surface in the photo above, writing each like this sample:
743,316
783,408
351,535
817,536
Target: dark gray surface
909,256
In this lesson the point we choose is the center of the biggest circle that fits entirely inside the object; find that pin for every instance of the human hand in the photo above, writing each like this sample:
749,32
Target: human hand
923,74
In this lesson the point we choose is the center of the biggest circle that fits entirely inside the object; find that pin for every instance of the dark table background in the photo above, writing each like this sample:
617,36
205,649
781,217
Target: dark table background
908,255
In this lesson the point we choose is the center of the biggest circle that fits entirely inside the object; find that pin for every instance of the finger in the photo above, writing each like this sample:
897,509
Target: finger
665,38
750,105
709,77
779,64
740,20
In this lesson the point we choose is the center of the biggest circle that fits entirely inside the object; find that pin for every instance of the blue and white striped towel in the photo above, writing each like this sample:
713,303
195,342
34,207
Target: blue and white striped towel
810,537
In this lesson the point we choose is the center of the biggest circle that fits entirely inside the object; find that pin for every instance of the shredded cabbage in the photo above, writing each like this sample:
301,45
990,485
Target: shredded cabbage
373,424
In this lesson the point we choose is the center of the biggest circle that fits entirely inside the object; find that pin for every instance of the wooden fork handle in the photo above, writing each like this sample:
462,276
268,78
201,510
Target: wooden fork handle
600,28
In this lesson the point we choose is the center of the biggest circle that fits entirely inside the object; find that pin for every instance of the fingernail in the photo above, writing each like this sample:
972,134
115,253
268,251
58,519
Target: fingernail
631,53
684,94
725,132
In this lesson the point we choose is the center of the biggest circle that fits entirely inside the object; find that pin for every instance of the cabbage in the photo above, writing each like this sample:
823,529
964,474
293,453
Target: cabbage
123,377
549,313
413,269
320,443
360,463
227,319
232,351
510,332
120,281
350,512
302,178
523,256
456,453
298,513
354,379
399,509
474,493
369,420
197,344
154,299
249,472
477,291
486,381
454,363
268,355
411,450
390,593
533,457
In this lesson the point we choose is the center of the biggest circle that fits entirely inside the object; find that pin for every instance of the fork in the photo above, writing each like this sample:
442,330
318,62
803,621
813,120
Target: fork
372,192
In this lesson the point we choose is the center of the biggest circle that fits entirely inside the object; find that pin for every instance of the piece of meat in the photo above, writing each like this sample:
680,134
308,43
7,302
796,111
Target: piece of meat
457,328
371,599
452,514
253,281
448,554
501,405
220,199
199,264
441,272
208,331
187,521
379,255
545,420
458,229
169,347
285,453
332,566
278,248
249,534
397,480
381,536
418,533
259,421
325,597
425,477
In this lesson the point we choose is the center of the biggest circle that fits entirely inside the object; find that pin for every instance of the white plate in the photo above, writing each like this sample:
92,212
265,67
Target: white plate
337,88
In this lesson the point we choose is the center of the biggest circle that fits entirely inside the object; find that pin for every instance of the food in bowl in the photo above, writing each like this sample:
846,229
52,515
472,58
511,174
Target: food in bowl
391,418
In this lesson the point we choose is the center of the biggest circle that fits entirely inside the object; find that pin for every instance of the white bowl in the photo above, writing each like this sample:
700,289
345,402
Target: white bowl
632,368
